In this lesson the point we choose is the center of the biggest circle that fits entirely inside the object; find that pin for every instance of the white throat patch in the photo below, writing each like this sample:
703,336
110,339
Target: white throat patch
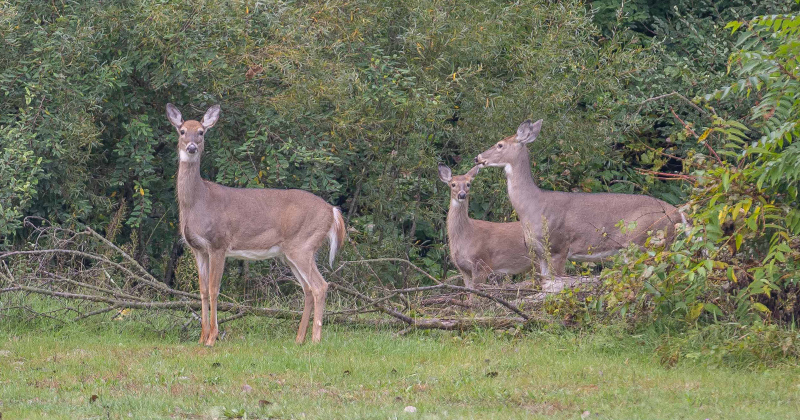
508,169
186,157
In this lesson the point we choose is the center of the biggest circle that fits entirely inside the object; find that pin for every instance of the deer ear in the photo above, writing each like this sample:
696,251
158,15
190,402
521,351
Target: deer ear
528,131
444,173
474,171
211,117
174,116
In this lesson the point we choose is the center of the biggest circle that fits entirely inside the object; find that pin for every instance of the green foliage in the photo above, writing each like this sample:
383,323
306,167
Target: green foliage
731,345
693,48
353,101
20,169
740,261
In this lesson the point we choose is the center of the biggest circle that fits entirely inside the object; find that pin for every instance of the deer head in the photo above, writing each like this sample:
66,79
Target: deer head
459,184
509,149
191,133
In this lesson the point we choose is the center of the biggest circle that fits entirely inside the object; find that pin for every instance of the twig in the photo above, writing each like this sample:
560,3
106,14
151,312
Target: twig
656,98
154,283
97,312
91,287
151,280
183,304
667,176
400,260
405,318
686,126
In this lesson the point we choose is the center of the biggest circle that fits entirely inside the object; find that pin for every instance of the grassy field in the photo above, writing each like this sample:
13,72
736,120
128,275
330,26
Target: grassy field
118,370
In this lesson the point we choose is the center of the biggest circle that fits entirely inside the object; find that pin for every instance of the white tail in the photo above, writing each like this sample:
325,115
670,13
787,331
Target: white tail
575,226
249,223
336,235
479,248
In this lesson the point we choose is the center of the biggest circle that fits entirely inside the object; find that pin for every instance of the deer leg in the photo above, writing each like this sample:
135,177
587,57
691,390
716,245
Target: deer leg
479,276
468,284
559,262
216,267
319,290
470,281
308,302
201,258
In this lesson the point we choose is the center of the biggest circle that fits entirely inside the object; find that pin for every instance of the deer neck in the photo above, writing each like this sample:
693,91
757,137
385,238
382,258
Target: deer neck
458,221
523,193
191,188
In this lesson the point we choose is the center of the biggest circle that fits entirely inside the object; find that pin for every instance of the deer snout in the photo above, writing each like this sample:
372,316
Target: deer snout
462,195
191,148
479,160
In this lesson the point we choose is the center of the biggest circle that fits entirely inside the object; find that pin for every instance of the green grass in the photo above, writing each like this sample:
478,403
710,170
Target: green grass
363,373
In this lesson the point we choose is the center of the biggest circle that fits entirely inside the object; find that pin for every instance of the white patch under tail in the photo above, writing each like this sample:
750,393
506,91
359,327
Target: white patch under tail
335,234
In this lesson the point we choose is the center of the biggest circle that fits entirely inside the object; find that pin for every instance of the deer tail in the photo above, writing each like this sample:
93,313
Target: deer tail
336,234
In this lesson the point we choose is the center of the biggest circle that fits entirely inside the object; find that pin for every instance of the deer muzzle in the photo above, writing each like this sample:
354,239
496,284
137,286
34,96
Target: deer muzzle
191,148
462,195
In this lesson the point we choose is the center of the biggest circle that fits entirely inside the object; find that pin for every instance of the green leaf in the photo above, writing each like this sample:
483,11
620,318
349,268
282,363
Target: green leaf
760,307
712,308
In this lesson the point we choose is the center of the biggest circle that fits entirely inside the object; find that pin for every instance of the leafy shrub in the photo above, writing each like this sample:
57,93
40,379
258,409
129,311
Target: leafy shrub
740,261
353,101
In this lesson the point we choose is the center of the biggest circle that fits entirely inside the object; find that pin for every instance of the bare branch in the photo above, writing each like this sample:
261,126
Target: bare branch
668,95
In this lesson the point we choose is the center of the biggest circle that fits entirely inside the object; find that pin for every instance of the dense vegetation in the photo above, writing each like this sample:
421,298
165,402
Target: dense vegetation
357,101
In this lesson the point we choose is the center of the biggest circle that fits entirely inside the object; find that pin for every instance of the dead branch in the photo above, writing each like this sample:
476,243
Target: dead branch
87,268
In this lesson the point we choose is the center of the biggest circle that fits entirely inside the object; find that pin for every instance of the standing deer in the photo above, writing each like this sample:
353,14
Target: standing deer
252,224
575,226
477,247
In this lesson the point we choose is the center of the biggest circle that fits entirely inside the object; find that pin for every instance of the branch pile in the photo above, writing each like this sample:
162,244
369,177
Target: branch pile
82,275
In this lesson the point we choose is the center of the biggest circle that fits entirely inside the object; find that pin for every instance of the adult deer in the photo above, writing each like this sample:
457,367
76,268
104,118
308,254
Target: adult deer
249,223
575,226
477,247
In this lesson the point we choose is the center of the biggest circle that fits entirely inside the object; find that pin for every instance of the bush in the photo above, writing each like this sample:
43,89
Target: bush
353,101
740,262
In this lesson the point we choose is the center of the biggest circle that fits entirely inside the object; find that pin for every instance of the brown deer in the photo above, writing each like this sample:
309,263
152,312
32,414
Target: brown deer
479,248
576,226
249,223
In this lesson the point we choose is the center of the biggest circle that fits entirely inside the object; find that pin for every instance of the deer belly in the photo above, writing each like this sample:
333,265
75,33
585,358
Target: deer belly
254,254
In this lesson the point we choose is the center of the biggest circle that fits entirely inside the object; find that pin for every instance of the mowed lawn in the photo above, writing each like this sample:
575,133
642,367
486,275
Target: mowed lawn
109,371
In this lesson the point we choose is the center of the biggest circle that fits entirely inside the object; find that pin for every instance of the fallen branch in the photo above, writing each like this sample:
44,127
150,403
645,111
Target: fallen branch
70,266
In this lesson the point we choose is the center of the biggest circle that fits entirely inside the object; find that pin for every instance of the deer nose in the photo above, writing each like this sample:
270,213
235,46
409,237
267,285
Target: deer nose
462,195
191,148
477,159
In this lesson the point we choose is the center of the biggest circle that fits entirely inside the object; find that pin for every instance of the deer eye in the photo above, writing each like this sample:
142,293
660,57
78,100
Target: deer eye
200,133
467,184
453,184
183,132
499,145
